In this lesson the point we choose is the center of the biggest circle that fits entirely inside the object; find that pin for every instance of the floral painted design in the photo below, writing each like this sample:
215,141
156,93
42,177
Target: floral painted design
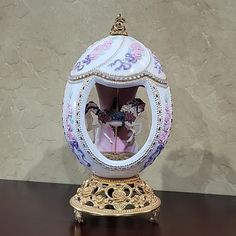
157,64
152,158
163,135
135,53
93,55
136,50
167,124
69,121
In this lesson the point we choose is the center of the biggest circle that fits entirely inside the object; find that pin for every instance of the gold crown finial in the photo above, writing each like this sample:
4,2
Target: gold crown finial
119,27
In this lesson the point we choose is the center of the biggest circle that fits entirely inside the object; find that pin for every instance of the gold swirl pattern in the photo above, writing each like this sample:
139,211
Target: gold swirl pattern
115,197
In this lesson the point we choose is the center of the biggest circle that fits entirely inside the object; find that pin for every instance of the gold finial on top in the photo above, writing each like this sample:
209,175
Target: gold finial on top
119,27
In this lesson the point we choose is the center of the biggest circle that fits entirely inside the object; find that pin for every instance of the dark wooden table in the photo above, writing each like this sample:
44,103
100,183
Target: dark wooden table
42,209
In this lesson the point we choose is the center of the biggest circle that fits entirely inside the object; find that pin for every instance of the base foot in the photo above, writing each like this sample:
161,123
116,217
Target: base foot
78,216
155,216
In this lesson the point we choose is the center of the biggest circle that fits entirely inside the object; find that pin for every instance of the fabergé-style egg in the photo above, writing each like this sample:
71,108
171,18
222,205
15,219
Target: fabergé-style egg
116,66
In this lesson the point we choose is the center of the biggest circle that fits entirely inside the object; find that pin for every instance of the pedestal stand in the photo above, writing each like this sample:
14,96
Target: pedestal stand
115,197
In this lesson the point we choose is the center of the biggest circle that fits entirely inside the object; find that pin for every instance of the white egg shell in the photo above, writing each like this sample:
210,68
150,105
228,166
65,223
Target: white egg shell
116,61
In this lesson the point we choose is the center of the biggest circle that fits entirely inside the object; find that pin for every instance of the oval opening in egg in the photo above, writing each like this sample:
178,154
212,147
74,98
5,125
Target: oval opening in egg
118,120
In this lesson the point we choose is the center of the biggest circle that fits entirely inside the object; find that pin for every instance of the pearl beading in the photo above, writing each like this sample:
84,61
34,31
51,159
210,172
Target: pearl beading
120,79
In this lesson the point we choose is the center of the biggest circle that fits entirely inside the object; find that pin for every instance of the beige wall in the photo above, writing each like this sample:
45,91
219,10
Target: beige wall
195,41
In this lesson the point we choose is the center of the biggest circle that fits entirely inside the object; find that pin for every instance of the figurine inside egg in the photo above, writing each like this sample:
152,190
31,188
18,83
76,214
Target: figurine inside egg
103,133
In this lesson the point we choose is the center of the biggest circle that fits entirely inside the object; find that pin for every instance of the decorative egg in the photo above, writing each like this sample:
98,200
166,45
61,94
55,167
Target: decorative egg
117,61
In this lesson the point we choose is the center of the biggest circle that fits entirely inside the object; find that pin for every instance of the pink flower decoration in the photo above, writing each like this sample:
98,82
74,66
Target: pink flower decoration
100,48
136,54
136,50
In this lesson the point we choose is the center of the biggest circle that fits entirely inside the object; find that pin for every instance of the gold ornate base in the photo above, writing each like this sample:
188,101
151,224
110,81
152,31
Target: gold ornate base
115,197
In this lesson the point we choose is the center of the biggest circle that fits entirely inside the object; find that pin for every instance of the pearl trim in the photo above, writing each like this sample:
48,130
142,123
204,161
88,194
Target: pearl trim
121,79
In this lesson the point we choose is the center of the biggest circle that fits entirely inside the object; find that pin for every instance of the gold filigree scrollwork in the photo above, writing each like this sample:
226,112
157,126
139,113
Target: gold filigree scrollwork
119,27
115,197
